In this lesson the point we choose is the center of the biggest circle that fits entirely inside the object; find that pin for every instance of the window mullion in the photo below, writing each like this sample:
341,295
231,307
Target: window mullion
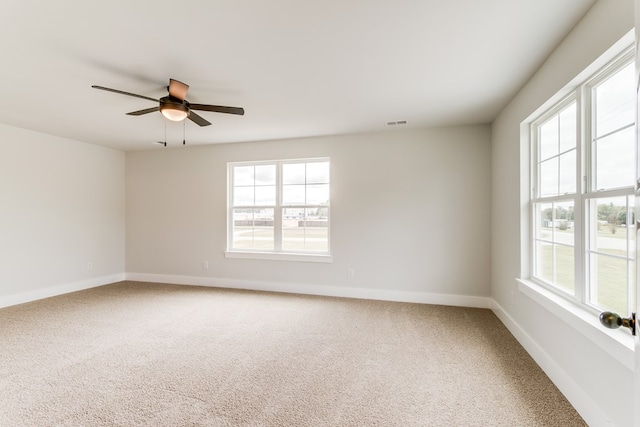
580,261
230,206
277,214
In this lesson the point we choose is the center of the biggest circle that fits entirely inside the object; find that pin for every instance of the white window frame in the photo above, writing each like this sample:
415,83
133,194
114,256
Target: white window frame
574,97
582,318
277,253
585,190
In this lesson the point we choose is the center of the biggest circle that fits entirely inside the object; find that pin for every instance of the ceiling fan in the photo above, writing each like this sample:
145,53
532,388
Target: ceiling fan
175,106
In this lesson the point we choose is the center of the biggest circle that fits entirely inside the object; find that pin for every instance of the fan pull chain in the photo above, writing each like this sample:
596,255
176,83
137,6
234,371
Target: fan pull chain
165,132
184,127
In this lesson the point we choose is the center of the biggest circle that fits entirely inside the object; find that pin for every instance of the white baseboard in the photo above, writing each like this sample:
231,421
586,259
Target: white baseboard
52,291
307,289
585,406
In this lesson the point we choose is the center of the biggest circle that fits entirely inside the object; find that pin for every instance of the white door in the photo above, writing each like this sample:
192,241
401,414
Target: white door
637,203
629,319
613,319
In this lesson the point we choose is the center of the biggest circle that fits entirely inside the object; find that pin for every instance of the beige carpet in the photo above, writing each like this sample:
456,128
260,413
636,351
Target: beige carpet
132,354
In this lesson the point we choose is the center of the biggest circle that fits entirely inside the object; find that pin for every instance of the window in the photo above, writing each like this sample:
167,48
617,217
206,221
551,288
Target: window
583,175
279,207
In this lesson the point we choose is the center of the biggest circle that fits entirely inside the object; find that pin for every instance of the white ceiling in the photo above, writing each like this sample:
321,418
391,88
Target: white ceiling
299,68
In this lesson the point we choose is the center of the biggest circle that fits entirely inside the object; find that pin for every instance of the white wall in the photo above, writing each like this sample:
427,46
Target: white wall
410,213
598,385
430,216
62,206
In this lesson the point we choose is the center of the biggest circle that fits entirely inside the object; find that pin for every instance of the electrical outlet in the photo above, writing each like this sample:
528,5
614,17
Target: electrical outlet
89,266
351,273
205,265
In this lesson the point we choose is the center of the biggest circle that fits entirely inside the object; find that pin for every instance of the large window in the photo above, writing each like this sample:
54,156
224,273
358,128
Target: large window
279,207
583,175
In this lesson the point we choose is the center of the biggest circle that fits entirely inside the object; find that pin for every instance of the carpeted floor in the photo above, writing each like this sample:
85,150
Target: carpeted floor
138,354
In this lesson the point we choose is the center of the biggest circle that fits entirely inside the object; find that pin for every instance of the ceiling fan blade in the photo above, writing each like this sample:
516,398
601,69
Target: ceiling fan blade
178,89
197,119
145,111
123,92
218,109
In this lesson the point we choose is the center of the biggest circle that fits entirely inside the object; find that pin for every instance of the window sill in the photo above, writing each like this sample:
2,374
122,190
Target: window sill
618,343
284,256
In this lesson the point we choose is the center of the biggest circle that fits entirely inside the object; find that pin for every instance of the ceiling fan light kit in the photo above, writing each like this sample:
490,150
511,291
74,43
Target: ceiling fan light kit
175,107
172,110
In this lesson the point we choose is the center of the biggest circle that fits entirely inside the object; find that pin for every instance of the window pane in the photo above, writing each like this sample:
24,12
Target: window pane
549,177
555,241
568,133
563,223
543,234
293,194
615,101
253,229
266,195
265,175
615,166
243,196
555,265
608,284
243,175
549,138
293,229
568,172
564,249
611,252
318,194
305,230
611,235
564,261
544,228
544,264
318,173
254,185
293,173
